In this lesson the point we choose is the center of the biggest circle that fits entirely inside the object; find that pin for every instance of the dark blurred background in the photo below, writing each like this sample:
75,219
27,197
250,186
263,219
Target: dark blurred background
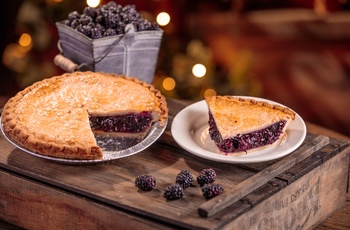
294,52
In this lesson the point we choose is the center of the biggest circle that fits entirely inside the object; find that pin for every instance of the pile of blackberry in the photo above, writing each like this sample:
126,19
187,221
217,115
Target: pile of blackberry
108,20
183,180
175,191
206,179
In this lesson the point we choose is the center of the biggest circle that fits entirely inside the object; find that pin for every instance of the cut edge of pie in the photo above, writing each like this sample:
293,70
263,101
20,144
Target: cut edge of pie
240,125
14,120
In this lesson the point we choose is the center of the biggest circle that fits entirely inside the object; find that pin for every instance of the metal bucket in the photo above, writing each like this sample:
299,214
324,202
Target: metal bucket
132,54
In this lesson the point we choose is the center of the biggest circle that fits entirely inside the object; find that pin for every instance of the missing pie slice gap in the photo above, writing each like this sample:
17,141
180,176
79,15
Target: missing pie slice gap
116,132
240,125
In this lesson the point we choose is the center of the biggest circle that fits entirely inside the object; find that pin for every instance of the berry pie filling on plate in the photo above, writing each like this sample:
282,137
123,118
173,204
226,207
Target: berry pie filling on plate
239,125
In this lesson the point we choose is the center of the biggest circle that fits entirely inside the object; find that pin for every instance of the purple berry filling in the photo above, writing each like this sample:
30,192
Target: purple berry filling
247,141
130,123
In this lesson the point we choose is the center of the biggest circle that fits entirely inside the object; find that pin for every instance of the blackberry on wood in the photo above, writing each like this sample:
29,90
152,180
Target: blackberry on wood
206,176
212,190
184,178
145,182
173,192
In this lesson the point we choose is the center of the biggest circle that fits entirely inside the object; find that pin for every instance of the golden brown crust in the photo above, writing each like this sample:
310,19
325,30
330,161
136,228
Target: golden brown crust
253,102
161,99
36,106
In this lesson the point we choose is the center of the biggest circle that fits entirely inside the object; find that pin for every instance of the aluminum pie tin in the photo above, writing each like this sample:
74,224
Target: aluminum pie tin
154,133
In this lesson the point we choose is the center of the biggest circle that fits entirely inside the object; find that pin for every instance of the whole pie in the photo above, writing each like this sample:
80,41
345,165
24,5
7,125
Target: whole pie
60,116
238,125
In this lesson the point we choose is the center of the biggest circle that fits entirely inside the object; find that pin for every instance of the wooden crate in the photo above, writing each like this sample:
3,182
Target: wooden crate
300,198
36,193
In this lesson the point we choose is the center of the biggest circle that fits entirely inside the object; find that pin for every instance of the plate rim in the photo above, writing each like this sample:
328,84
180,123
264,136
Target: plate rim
206,154
157,129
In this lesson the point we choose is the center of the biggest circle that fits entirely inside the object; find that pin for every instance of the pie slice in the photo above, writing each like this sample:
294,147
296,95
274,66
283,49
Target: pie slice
61,116
238,125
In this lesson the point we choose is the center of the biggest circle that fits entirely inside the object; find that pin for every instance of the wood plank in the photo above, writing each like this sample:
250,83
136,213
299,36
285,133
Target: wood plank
326,153
257,167
303,204
34,205
113,183
249,185
339,220
264,192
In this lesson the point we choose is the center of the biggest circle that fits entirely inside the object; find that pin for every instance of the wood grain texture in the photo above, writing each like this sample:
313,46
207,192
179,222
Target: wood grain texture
43,207
304,203
339,220
109,187
259,179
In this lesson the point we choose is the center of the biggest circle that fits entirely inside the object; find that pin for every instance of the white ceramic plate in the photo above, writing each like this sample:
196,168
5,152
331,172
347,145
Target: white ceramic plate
190,131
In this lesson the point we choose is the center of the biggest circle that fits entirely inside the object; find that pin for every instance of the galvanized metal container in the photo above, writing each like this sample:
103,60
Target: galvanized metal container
133,54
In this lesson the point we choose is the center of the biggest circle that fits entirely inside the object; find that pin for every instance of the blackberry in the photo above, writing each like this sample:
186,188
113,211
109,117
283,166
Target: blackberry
184,178
84,29
173,192
112,20
155,26
100,20
85,19
96,33
100,27
145,182
74,23
102,10
212,190
90,11
109,32
120,29
112,3
144,25
73,15
67,22
206,176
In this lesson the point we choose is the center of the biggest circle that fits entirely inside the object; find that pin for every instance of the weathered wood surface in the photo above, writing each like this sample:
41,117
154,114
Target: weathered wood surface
65,189
39,206
262,177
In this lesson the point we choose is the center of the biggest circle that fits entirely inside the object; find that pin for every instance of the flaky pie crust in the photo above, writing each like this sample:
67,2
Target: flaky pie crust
50,117
237,115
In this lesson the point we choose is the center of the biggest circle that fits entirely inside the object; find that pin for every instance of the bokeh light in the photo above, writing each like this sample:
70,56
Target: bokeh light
169,83
25,40
163,18
93,3
209,92
199,70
